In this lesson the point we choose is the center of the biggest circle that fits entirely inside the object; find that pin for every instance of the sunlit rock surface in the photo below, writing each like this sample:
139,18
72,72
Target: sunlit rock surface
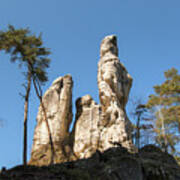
86,132
99,127
96,127
114,84
58,103
100,145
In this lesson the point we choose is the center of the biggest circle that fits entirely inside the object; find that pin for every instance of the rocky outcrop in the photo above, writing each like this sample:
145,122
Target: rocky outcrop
100,145
114,84
113,164
96,127
86,132
99,127
58,104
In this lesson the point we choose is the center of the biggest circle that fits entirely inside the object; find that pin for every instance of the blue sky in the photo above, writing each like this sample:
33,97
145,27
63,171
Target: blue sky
148,37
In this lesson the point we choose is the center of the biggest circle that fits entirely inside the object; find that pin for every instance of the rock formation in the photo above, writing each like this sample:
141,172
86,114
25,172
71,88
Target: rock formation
86,132
96,127
101,133
99,127
58,103
113,164
114,84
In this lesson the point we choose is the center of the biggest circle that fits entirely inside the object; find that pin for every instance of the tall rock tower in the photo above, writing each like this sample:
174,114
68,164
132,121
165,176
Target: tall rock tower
58,104
114,84
97,126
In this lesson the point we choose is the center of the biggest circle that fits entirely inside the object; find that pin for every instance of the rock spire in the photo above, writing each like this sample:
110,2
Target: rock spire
114,84
58,103
96,127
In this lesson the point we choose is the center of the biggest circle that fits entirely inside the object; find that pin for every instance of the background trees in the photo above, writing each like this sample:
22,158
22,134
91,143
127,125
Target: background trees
158,121
28,50
165,103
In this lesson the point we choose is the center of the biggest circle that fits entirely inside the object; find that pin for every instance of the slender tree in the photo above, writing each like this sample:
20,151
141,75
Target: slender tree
29,51
143,125
38,91
166,106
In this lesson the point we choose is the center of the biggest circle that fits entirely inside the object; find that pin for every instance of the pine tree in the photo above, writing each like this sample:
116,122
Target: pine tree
166,106
29,51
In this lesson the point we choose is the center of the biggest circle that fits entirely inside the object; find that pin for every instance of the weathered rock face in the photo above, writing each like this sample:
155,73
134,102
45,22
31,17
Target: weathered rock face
58,104
86,132
114,84
99,127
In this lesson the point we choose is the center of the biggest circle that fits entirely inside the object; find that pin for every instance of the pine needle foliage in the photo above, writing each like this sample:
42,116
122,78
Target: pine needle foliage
165,103
29,51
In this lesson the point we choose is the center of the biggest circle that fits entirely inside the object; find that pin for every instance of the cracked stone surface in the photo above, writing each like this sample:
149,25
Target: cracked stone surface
96,127
86,132
114,84
58,103
99,127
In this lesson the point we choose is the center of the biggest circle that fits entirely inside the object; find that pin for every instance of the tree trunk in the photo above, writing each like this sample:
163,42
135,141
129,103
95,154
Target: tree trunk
138,131
39,95
165,143
26,103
